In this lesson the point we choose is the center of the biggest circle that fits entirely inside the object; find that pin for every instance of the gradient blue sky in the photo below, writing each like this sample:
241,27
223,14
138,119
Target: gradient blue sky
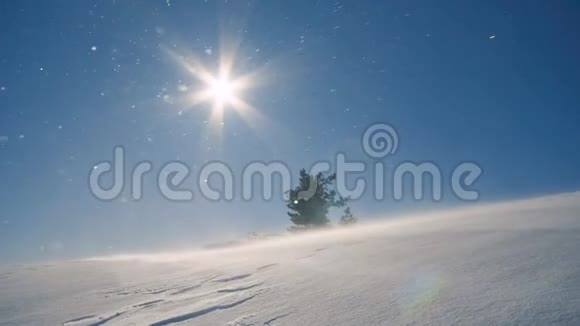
430,68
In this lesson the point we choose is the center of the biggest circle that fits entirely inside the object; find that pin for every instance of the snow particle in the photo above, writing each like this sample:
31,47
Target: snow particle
93,48
491,37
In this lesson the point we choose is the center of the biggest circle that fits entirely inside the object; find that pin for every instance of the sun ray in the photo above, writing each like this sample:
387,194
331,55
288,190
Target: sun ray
222,90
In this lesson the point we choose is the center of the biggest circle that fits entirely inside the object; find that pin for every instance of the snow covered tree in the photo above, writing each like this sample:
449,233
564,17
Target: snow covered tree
347,218
310,201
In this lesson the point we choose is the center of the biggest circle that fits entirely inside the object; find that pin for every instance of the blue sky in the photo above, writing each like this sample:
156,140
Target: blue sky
493,82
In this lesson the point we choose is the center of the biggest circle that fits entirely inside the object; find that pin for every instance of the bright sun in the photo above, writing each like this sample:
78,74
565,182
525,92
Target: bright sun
222,91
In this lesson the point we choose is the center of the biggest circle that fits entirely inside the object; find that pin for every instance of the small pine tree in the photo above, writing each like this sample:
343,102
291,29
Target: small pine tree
347,218
309,205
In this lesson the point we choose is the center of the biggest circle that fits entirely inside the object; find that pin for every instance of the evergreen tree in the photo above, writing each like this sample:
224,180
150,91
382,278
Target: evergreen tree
310,201
347,218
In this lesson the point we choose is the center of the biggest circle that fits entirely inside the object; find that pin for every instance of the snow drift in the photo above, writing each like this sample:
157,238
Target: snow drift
508,263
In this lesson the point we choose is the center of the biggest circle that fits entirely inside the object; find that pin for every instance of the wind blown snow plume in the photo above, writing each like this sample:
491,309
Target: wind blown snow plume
507,263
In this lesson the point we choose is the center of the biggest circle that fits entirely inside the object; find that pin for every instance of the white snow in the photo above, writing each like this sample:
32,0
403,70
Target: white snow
500,264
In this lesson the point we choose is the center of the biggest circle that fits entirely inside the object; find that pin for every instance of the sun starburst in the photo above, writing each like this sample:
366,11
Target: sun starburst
221,89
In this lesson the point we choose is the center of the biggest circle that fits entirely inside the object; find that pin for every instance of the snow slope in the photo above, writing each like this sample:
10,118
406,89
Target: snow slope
500,264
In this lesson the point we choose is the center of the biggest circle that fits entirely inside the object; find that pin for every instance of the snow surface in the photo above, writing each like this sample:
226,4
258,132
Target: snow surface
501,264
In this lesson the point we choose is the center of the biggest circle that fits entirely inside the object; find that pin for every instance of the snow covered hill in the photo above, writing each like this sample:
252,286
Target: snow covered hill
501,264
